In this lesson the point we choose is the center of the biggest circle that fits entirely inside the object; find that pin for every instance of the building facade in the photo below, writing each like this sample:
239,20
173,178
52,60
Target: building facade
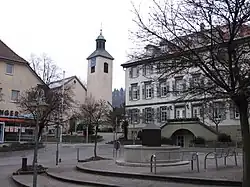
150,99
100,70
79,94
15,77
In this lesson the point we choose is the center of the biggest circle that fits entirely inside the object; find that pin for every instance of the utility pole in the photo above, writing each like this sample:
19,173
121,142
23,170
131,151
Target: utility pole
60,121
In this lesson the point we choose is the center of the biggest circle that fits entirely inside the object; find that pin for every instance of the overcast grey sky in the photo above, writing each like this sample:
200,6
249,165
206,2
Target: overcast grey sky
66,30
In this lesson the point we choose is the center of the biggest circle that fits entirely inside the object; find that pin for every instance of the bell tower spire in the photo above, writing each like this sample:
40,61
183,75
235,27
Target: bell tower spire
100,41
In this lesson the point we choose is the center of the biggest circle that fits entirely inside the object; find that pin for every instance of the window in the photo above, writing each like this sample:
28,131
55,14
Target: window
179,84
195,113
148,115
15,95
164,89
164,114
9,69
177,114
93,69
216,113
236,113
135,116
106,67
149,91
92,65
135,92
133,72
149,69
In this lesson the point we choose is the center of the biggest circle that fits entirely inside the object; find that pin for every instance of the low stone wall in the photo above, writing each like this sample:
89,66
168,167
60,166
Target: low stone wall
19,147
72,139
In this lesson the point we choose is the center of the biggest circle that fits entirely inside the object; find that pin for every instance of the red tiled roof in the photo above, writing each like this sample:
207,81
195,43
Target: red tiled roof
7,54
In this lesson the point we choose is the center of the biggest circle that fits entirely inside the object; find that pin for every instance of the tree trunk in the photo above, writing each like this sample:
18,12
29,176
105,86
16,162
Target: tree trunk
217,127
242,105
96,128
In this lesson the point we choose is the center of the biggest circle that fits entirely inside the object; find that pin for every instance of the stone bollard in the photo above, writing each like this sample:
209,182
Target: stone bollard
24,164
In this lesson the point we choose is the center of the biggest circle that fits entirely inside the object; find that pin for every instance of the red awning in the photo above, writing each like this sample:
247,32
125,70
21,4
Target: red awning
14,120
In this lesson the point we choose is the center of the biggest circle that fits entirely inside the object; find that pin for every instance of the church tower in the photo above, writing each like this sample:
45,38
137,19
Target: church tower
100,69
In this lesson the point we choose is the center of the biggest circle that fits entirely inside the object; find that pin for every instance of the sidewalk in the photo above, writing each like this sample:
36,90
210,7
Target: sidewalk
229,172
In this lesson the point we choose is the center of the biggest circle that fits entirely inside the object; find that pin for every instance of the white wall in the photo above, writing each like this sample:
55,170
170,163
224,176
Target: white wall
99,84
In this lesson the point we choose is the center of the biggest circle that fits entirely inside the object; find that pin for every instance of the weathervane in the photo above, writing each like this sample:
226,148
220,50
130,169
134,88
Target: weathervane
101,29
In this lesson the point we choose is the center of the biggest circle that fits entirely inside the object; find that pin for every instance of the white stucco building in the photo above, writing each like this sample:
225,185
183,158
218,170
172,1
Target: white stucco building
79,94
153,100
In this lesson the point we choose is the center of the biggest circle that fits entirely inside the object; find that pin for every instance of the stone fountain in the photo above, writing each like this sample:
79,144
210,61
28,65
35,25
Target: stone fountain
140,155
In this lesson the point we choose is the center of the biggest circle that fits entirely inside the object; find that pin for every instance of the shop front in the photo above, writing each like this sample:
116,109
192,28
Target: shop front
16,129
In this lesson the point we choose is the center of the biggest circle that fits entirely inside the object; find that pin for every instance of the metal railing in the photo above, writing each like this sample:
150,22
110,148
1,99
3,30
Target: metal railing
194,157
222,154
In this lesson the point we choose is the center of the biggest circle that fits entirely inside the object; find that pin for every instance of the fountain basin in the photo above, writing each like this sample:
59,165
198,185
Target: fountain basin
142,154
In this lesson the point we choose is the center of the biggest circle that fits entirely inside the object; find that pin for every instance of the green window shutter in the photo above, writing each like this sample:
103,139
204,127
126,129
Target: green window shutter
158,114
130,93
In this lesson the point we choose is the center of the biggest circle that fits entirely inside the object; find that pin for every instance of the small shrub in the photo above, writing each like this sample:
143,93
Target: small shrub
167,141
223,137
199,140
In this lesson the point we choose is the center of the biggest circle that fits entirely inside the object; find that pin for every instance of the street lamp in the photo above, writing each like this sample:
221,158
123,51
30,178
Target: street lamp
114,129
39,106
59,137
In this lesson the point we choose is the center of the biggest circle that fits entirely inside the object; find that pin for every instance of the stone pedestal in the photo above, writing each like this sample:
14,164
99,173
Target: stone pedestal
142,154
151,136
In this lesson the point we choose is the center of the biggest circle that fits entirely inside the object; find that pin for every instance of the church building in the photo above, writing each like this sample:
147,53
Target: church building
100,69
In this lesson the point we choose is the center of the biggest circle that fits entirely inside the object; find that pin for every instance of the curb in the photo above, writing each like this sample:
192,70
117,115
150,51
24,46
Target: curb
18,182
77,181
177,179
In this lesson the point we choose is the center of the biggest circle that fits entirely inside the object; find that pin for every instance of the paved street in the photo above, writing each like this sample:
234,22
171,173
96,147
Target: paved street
11,161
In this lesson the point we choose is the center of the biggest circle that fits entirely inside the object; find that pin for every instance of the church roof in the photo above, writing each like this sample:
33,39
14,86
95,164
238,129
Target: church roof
102,53
59,83
7,54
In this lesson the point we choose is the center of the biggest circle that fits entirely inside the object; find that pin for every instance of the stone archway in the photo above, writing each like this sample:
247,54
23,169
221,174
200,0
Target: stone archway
182,137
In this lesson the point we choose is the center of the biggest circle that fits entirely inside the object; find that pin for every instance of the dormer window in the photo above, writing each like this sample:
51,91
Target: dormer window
106,67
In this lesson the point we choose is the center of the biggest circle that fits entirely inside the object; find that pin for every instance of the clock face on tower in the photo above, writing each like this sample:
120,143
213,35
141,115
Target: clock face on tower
93,62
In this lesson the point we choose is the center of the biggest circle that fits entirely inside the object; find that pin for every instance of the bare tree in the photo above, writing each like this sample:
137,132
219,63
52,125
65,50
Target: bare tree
211,37
96,112
216,112
52,99
45,67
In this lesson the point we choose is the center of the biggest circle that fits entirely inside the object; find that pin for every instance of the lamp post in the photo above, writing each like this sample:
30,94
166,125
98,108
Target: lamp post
114,129
59,137
39,106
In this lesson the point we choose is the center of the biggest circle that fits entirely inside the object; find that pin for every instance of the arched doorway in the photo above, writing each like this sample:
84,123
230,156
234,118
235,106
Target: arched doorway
182,137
